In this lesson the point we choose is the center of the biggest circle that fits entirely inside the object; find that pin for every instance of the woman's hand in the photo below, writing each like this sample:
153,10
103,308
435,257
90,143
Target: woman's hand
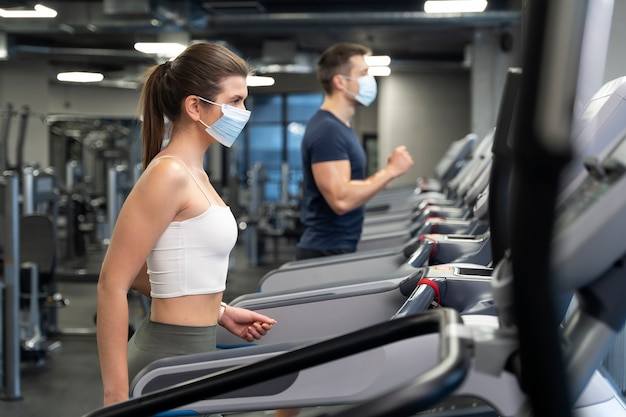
247,324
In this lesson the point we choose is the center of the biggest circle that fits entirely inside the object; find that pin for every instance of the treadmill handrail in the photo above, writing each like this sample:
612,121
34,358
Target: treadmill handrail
445,377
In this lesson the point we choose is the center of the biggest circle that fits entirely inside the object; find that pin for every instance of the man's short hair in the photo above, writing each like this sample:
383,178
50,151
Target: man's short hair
336,60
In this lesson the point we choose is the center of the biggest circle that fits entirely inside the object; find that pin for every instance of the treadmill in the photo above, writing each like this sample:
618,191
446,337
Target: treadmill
394,200
599,125
373,262
381,231
410,197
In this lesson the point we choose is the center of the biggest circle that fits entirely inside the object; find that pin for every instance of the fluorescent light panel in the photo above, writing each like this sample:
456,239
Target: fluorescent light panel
258,81
40,11
169,49
377,60
379,71
4,51
80,77
455,6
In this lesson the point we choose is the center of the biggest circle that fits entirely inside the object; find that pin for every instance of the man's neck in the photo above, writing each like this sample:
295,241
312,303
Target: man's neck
340,108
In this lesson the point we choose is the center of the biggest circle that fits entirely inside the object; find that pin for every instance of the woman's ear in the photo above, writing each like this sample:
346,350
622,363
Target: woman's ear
191,106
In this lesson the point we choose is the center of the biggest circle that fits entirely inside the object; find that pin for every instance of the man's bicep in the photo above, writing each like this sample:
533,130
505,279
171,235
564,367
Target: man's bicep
331,178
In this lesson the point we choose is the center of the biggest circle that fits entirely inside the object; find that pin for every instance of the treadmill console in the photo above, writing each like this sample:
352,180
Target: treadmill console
602,175
590,223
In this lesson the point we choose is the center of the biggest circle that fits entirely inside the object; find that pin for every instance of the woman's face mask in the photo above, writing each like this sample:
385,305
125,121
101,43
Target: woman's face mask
228,127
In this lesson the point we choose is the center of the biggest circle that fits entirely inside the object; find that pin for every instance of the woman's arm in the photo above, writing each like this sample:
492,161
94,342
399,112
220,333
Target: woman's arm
112,320
149,208
142,282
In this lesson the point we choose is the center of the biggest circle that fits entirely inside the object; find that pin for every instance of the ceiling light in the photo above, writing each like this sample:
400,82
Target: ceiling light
166,49
40,11
4,52
455,6
377,60
379,71
80,77
287,68
258,81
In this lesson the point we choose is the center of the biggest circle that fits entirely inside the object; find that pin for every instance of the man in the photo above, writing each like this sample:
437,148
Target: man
335,189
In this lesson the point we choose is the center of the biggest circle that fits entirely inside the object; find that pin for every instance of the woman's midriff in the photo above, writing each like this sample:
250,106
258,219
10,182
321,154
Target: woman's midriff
188,310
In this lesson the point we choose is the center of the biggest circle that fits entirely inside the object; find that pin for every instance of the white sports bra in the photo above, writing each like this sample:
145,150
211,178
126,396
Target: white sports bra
191,256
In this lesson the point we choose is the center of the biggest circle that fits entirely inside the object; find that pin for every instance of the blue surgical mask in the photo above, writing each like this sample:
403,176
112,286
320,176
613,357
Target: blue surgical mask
367,89
228,127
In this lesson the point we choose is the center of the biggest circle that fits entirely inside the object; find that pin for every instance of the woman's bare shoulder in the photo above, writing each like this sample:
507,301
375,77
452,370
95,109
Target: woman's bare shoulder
166,170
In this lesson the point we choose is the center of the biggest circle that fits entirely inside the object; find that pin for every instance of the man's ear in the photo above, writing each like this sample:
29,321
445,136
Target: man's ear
191,106
338,82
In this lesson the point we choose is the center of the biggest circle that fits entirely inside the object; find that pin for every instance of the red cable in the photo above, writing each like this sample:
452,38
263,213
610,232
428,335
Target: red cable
432,284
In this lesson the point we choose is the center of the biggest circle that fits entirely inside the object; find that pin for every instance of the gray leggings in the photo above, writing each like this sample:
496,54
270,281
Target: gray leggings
152,341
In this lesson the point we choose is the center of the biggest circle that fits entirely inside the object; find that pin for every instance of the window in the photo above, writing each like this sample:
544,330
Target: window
273,137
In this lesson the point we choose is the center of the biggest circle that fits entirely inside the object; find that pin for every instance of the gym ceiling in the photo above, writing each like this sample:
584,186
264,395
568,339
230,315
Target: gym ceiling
98,35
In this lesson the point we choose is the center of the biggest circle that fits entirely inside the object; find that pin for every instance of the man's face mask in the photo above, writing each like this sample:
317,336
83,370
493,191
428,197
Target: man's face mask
367,89
228,127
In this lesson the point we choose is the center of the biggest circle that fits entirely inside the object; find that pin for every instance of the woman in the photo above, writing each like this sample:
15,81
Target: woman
174,233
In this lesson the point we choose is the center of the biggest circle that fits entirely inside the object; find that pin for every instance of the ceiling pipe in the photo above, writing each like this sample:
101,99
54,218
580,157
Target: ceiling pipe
228,23
250,22
129,54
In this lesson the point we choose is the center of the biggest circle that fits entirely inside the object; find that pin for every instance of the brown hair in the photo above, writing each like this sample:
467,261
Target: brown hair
200,70
336,60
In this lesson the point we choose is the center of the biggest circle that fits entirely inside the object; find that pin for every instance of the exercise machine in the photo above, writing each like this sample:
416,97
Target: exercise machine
400,199
599,128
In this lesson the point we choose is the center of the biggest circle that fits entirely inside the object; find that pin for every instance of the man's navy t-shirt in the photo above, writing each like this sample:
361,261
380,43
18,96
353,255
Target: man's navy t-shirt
328,139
